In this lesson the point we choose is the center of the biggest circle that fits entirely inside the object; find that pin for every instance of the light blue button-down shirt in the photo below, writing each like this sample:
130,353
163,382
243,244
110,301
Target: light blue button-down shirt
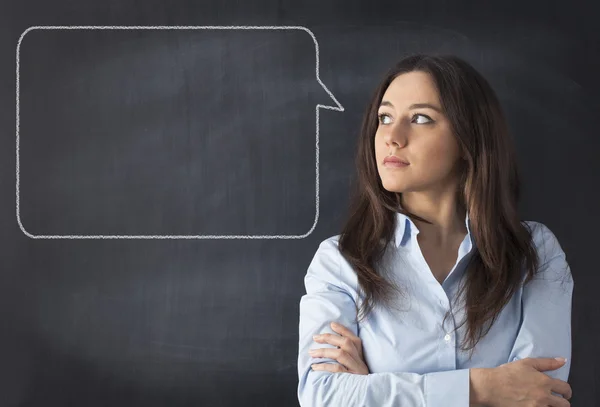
413,359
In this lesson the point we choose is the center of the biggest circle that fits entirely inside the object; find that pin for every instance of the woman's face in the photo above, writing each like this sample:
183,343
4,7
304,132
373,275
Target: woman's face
419,135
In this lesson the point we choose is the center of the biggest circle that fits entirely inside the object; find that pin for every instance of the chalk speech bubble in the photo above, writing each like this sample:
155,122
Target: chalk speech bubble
337,107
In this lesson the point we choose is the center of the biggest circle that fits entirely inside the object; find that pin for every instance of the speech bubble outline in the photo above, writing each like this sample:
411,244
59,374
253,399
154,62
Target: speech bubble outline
338,108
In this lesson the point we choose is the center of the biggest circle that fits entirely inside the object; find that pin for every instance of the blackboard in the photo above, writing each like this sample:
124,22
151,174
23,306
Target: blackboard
164,186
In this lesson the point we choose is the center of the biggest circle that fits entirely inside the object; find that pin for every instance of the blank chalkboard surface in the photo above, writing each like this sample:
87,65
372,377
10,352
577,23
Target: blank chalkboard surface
165,186
195,132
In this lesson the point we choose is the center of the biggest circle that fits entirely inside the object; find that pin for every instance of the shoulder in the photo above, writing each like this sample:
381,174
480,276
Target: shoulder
330,243
545,241
328,267
328,252
552,258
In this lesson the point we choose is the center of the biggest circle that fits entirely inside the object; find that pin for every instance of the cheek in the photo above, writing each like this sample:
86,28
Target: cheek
438,160
439,147
438,156
380,149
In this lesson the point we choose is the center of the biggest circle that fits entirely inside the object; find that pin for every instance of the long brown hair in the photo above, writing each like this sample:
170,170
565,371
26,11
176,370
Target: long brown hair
489,189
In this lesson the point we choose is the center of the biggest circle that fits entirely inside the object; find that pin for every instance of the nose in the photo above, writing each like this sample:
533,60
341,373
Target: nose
395,137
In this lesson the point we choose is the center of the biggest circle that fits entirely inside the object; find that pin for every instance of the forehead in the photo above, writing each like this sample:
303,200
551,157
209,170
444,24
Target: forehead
411,87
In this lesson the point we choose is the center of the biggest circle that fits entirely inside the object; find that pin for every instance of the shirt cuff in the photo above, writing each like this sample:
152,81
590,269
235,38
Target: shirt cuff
449,388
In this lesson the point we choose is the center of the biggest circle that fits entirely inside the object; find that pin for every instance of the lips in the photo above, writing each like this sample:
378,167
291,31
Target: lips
394,159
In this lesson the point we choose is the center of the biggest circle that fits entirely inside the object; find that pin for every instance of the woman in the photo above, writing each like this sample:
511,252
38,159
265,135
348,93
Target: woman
442,295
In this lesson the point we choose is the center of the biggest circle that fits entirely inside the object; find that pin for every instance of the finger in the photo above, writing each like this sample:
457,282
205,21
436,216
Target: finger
347,333
337,354
342,330
330,367
555,401
561,387
543,364
343,342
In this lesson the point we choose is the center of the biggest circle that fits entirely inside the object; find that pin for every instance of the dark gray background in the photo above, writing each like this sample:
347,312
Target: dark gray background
126,133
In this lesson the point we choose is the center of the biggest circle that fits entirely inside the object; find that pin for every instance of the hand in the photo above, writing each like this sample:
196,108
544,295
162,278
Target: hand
521,383
349,352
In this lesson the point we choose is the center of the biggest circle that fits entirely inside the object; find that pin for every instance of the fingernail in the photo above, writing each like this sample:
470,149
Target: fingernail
316,336
333,324
312,351
562,360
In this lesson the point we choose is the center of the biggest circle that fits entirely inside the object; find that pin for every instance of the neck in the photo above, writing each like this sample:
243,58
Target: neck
446,216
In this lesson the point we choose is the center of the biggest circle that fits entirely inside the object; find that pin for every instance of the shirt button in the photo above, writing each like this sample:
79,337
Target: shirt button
447,337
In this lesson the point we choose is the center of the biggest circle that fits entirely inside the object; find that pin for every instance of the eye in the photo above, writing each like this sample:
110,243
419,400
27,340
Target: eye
382,117
422,115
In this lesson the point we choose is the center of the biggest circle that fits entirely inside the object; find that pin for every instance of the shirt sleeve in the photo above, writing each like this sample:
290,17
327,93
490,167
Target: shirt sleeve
545,330
329,299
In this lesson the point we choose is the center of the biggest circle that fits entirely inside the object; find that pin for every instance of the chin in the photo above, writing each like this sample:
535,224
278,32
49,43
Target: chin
394,187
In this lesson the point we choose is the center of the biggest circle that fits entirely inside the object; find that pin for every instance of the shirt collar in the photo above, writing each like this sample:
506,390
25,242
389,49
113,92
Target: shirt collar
406,228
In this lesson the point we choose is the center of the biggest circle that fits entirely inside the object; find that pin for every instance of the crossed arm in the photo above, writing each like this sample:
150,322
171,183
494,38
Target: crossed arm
545,300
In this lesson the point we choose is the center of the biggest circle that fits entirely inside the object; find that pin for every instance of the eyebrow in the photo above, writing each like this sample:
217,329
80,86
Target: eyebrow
414,106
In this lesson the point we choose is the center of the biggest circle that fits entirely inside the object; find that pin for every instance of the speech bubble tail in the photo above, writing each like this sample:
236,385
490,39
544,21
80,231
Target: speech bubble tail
338,107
